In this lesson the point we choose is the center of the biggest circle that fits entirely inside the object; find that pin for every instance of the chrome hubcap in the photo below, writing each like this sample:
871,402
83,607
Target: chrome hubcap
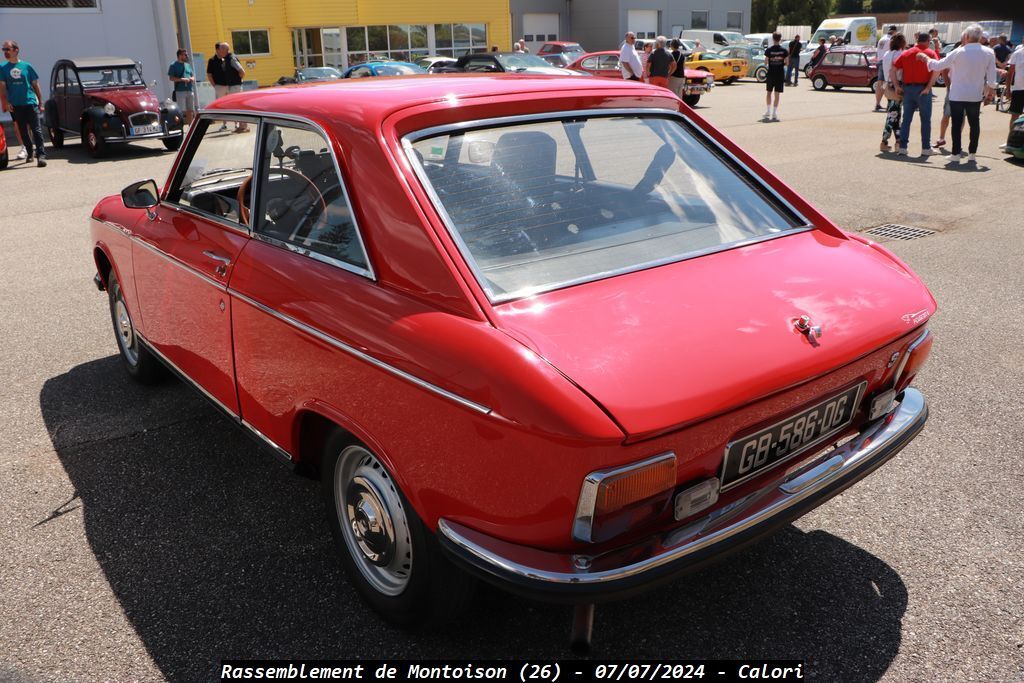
125,332
373,520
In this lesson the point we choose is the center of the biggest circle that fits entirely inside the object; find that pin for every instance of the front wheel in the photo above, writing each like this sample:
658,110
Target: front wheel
140,363
392,560
56,137
93,141
691,100
761,75
819,82
173,144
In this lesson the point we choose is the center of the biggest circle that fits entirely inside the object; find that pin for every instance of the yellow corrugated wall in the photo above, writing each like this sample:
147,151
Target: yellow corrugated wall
211,21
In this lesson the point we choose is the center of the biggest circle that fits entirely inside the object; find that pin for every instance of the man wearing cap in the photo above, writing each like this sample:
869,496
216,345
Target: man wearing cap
883,48
916,90
972,67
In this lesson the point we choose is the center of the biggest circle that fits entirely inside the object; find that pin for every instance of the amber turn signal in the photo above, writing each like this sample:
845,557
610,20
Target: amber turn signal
616,500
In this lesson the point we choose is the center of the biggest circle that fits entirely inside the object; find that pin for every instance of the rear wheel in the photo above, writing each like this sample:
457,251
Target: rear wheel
140,363
807,70
92,140
56,137
872,84
730,81
761,74
691,100
4,159
819,82
392,560
837,87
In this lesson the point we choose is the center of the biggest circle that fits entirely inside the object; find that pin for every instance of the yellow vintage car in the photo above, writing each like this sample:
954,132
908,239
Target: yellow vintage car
724,70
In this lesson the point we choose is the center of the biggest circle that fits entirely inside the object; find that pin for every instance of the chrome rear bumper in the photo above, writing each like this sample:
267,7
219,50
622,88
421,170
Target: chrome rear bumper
640,566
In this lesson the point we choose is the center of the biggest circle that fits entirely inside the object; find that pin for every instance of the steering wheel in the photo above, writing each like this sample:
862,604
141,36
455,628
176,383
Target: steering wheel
243,210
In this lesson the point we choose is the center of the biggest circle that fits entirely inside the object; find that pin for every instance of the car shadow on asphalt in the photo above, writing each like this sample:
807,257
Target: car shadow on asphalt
215,550
76,153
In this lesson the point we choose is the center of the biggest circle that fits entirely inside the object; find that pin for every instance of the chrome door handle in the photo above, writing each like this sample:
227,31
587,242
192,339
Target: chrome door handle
224,261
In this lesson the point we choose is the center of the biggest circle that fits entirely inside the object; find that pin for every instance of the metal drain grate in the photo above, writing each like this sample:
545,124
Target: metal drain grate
893,231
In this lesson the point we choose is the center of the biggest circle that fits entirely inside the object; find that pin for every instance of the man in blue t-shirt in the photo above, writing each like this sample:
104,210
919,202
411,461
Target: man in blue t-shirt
180,73
20,95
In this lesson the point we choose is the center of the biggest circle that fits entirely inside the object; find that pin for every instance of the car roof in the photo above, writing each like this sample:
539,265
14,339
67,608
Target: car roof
94,62
364,103
561,42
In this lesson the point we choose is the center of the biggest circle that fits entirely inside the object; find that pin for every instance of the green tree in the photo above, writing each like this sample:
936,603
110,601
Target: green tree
765,15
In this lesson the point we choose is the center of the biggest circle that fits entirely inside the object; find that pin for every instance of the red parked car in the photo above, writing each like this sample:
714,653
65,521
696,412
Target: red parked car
846,66
106,101
559,47
516,329
606,64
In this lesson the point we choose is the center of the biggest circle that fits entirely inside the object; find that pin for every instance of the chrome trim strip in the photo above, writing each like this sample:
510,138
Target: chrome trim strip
181,373
748,174
181,208
315,255
582,526
147,136
351,350
269,442
878,442
209,280
113,226
266,115
906,356
232,414
803,449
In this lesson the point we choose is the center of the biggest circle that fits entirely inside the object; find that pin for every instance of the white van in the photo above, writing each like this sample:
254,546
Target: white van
711,38
853,31
759,39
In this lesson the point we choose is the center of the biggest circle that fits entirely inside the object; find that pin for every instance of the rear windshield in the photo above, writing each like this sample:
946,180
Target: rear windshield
541,205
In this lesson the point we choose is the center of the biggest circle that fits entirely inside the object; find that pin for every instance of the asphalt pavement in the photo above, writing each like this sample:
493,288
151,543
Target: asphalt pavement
145,539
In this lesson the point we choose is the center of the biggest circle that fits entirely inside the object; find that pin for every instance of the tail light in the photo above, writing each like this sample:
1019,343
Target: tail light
913,360
616,500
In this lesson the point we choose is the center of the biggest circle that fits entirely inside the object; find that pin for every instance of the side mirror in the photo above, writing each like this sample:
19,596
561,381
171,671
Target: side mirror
141,195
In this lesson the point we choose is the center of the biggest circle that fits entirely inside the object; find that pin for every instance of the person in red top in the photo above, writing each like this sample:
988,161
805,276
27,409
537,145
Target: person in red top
916,89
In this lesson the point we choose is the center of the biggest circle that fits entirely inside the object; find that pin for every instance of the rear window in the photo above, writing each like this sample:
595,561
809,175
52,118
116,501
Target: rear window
541,205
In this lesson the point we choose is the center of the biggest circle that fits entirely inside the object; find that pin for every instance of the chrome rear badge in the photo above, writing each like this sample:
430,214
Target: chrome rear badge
892,359
916,317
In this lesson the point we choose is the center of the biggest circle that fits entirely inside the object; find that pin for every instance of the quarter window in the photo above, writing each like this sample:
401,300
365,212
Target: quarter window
251,42
302,203
217,179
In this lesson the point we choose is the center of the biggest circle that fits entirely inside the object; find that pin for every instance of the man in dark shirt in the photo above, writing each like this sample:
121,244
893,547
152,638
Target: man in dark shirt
225,74
793,65
1002,50
659,62
775,57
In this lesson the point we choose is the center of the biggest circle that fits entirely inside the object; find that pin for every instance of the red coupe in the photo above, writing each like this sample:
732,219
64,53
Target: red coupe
606,64
557,333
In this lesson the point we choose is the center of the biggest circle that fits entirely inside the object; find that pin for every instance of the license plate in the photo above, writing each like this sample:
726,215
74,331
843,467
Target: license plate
757,453
735,68
145,130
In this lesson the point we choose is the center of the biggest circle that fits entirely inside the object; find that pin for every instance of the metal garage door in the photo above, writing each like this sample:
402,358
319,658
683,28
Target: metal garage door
643,22
539,29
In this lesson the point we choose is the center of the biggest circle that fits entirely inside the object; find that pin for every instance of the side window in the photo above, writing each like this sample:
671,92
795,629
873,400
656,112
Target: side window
302,200
58,83
590,63
71,77
853,59
834,58
217,179
610,62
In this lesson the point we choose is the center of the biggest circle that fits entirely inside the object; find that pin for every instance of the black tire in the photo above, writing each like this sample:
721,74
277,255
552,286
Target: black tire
730,81
761,74
807,70
173,144
56,137
691,100
819,82
93,141
871,85
140,363
4,160
409,583
837,87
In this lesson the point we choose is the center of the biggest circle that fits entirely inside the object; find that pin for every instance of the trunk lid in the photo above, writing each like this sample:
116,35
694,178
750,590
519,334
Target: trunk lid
675,344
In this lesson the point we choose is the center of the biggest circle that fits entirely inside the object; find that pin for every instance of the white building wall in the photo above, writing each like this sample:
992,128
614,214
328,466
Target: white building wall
143,30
